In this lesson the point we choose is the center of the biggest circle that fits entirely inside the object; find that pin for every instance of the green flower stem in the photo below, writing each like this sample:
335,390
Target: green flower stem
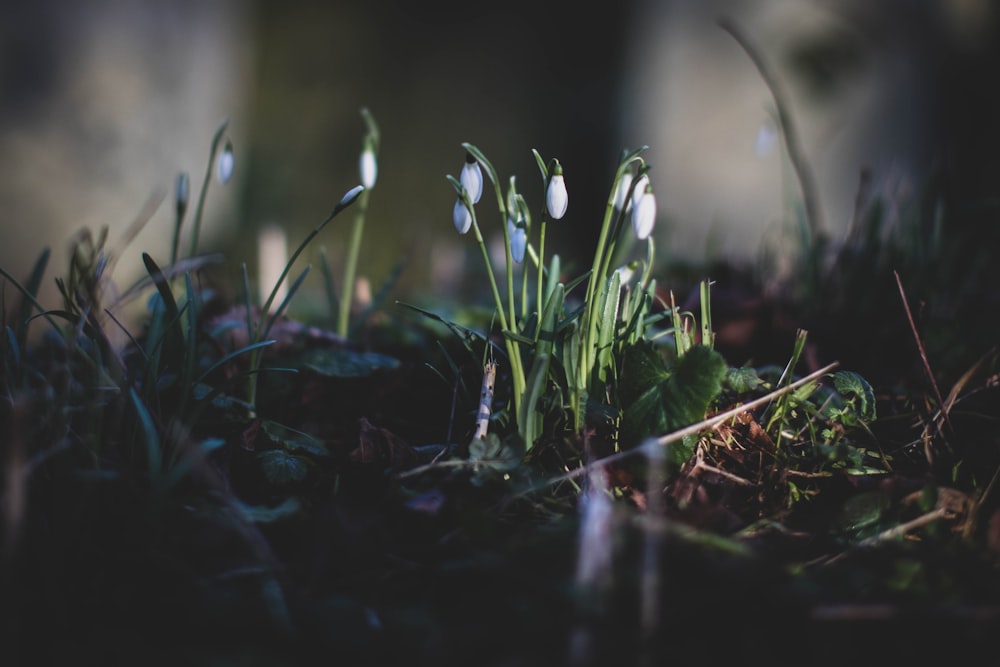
196,231
351,265
261,330
513,351
524,294
512,309
610,227
541,271
507,323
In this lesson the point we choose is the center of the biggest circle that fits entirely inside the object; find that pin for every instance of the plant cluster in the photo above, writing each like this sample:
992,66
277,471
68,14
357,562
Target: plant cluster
235,420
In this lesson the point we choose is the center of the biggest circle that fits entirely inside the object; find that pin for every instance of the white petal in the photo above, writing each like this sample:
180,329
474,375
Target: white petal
623,187
640,188
349,198
556,198
472,180
518,241
644,215
226,164
461,217
368,168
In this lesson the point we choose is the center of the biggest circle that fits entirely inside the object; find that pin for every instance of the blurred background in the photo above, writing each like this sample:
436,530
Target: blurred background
105,102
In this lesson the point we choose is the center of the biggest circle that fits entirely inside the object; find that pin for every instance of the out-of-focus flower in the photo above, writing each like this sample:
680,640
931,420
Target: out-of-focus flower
766,140
226,163
556,197
181,193
643,211
462,217
472,178
368,167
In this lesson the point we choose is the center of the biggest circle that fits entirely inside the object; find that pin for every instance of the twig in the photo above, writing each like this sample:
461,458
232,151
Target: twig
711,423
923,352
485,399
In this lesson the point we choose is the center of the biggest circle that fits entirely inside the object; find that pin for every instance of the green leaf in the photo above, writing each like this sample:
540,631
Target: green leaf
494,453
280,467
292,440
743,380
289,507
343,363
848,384
531,418
659,400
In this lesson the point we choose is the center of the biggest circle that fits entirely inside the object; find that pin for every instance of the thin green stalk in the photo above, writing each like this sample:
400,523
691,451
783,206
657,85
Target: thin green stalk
541,262
259,331
509,322
369,149
351,266
196,231
588,353
513,351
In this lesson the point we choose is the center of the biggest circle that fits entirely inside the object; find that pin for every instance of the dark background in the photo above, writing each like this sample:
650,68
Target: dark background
84,140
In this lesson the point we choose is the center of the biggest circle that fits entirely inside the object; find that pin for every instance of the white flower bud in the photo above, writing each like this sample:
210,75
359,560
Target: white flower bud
622,193
640,189
518,240
556,197
348,198
644,213
226,163
368,168
472,178
461,217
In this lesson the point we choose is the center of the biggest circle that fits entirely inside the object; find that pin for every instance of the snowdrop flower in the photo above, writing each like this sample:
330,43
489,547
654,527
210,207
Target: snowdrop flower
472,178
640,189
348,198
626,272
623,187
461,216
224,167
556,198
368,167
643,211
518,240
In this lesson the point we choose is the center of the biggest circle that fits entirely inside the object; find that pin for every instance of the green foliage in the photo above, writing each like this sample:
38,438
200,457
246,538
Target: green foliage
282,468
588,341
859,395
659,399
347,363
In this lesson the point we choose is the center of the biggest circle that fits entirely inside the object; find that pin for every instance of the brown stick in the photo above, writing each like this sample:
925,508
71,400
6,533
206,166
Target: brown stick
923,351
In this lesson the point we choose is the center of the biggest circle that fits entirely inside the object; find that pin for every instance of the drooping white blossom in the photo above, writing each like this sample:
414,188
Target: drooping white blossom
518,240
368,167
461,216
556,197
643,212
622,193
472,178
226,163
